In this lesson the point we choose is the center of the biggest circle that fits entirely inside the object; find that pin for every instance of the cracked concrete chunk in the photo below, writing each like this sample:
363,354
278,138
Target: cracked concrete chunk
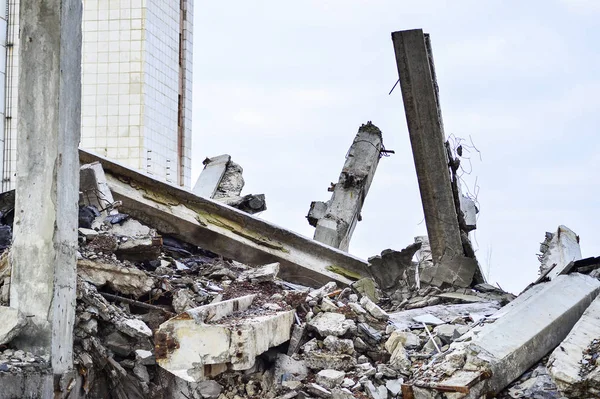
261,274
191,349
125,280
11,324
328,323
330,378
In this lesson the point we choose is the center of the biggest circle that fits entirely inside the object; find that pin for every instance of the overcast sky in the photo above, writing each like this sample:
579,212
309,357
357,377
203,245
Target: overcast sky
282,86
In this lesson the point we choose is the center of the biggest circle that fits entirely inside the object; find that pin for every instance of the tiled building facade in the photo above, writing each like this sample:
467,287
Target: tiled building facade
136,86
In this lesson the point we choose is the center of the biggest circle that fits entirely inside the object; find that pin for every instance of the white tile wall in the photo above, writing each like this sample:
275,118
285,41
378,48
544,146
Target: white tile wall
130,85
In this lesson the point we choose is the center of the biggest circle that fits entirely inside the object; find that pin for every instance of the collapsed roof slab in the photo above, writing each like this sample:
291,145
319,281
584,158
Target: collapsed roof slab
225,230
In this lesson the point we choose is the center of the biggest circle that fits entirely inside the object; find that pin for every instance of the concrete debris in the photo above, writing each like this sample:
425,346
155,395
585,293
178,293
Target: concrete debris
335,224
221,179
124,280
505,349
188,346
558,251
574,364
158,315
11,323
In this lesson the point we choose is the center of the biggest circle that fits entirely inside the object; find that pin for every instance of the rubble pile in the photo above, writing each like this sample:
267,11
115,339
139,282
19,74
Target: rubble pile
138,292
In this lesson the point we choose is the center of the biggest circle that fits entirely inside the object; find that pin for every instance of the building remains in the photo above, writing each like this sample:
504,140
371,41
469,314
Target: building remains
117,284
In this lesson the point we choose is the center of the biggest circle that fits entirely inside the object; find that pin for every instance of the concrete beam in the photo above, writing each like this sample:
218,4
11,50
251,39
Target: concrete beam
504,350
210,177
335,228
574,375
43,254
224,230
426,133
423,115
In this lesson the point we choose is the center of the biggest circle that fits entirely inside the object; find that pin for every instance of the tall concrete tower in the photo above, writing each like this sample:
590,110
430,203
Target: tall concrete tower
136,85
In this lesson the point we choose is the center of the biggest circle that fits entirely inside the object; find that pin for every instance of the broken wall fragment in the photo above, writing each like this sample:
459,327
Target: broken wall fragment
222,180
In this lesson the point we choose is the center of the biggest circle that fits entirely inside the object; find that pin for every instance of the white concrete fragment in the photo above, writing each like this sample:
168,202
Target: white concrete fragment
210,177
191,349
261,274
328,323
88,233
11,324
330,378
565,363
562,250
125,280
134,328
373,309
428,319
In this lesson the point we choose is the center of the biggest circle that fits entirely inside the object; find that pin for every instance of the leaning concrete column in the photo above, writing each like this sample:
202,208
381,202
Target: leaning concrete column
335,220
423,115
47,186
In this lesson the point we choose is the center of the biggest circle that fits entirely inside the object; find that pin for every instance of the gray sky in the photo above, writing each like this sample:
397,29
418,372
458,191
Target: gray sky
283,86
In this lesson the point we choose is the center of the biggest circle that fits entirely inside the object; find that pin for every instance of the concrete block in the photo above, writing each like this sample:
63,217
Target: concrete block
93,186
11,324
210,177
568,366
562,249
125,280
190,348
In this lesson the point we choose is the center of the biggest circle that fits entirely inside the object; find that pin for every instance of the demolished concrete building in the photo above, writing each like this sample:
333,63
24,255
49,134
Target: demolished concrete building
157,292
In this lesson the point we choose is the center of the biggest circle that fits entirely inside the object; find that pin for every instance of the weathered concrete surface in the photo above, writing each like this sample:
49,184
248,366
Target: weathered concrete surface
335,228
567,363
232,183
124,280
562,249
225,230
504,350
93,186
11,323
47,187
426,133
210,177
191,349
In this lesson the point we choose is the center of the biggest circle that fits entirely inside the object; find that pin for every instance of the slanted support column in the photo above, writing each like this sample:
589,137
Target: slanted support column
423,115
335,221
45,228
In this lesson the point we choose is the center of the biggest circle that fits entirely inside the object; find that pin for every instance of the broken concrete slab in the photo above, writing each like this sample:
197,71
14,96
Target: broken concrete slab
224,230
11,323
190,348
505,349
336,226
446,313
572,364
125,280
559,250
261,274
208,182
392,267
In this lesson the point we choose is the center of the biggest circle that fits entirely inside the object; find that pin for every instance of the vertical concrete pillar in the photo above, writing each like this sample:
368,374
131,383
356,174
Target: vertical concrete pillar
45,228
336,224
